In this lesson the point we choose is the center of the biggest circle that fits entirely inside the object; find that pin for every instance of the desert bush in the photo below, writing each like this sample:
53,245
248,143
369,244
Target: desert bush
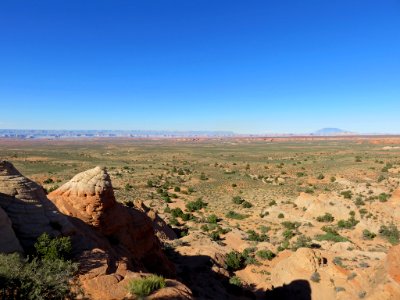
359,201
235,280
291,225
234,215
214,235
53,248
383,197
272,203
237,200
302,241
338,261
234,261
347,194
368,235
247,204
390,233
45,276
254,236
176,212
195,205
347,224
48,181
143,287
212,219
326,218
288,234
128,187
315,277
265,254
330,235
53,188
203,176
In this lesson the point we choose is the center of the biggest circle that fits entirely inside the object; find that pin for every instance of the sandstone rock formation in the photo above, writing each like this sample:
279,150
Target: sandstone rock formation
162,230
9,242
114,241
28,208
111,242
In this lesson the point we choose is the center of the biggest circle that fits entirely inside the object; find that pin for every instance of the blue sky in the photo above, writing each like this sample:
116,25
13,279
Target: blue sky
247,66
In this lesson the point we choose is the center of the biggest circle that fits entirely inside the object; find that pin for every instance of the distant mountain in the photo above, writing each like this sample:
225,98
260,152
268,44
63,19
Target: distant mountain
331,131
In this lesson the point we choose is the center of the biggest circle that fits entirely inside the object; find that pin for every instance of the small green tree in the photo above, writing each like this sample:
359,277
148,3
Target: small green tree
53,248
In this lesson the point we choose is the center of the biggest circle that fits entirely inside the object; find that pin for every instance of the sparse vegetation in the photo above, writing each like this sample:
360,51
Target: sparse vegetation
46,275
143,287
390,233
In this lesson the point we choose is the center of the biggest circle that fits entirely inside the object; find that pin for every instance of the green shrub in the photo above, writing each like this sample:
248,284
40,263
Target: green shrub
330,235
36,279
234,215
128,187
315,277
291,225
237,200
326,218
383,197
53,248
368,235
203,176
215,236
347,194
234,261
247,204
272,203
347,224
381,178
254,236
390,233
143,287
48,181
265,254
196,205
53,188
212,219
281,216
176,212
288,234
235,280
301,242
338,261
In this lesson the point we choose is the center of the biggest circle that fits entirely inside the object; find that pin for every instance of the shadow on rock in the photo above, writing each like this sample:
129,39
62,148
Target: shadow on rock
199,273
296,290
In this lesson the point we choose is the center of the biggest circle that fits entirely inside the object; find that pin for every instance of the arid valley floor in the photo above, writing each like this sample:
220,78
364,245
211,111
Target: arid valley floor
313,217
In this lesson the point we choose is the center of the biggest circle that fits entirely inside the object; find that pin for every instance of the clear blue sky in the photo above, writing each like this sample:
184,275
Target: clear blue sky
247,66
